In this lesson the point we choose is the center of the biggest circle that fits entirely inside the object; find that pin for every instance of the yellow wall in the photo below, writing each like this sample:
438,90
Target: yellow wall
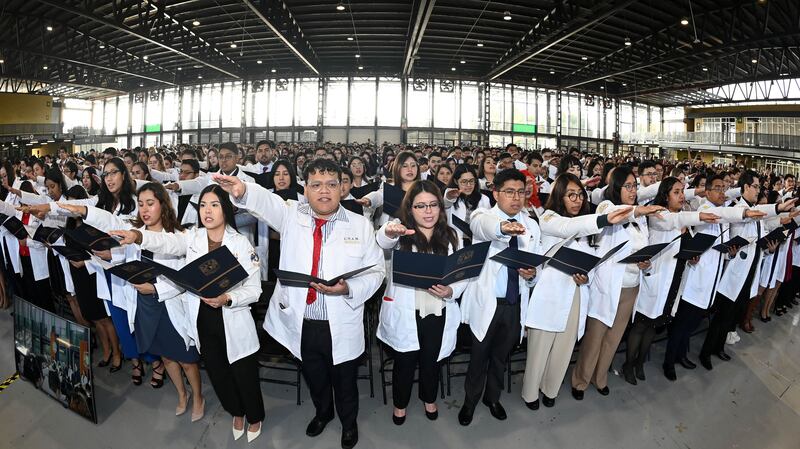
26,109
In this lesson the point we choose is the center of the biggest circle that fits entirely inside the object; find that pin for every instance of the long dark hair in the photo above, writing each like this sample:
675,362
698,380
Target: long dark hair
293,185
146,169
169,220
398,162
224,202
662,197
10,174
555,201
95,186
618,178
566,163
443,235
473,199
54,175
106,200
76,192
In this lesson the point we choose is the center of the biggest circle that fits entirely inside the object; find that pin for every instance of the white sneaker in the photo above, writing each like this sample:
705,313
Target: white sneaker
736,337
730,339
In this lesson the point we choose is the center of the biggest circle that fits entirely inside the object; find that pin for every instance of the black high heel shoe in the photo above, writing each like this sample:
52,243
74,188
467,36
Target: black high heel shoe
765,320
115,368
137,379
106,362
158,383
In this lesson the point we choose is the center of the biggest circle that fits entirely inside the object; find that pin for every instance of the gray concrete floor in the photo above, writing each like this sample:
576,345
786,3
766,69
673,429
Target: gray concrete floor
750,402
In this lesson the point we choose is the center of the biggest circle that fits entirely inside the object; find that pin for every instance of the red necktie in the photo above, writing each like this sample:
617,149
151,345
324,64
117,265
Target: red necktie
311,296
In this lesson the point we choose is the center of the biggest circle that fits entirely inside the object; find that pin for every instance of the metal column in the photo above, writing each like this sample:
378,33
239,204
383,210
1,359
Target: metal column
486,112
558,120
321,100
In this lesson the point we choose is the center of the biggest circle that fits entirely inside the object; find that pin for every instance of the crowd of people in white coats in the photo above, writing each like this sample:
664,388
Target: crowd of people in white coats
323,210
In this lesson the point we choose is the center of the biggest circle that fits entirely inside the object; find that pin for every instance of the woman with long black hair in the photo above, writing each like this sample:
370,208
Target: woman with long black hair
659,289
405,171
558,306
613,297
464,196
223,326
420,325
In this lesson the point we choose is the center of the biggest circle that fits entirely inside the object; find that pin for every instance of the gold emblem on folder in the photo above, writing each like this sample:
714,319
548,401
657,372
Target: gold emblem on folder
465,257
224,283
209,267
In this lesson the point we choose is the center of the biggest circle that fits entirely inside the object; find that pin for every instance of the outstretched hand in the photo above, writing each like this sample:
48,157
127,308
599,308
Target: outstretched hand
231,184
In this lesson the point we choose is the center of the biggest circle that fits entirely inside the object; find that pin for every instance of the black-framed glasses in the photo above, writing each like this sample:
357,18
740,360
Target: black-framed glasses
421,206
574,196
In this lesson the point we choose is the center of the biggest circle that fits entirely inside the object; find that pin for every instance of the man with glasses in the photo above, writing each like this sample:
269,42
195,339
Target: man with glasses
320,325
648,182
737,286
495,302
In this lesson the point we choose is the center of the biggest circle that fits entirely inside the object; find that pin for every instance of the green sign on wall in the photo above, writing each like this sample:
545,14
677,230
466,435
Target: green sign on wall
152,128
522,128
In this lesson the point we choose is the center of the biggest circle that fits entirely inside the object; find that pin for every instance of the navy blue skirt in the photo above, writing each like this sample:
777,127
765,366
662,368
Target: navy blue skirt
155,333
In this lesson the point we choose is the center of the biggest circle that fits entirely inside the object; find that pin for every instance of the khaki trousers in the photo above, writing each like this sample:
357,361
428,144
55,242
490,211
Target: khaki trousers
600,343
549,354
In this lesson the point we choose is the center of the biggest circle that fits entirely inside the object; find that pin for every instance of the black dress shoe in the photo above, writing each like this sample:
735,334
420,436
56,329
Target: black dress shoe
465,415
794,302
497,410
627,373
533,405
779,312
398,420
316,426
765,320
669,372
577,394
723,356
604,391
639,370
350,438
548,402
705,362
432,415
688,364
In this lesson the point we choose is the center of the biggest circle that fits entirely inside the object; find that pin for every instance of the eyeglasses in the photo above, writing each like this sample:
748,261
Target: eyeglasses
513,193
630,186
111,173
715,189
317,186
649,174
467,182
186,172
226,157
573,196
755,186
421,206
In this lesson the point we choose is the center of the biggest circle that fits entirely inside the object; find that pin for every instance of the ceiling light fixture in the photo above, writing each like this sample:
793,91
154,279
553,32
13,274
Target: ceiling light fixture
349,38
602,87
259,61
552,72
273,70
141,84
463,61
506,15
44,67
624,84
584,58
233,44
101,46
659,77
754,61
199,77
179,69
533,79
340,6
358,55
196,23
2,61
453,69
684,21
705,69
145,57
361,67
479,44
49,28
628,42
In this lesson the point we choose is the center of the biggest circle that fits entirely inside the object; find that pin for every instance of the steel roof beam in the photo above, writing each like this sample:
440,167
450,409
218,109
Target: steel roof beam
262,15
416,33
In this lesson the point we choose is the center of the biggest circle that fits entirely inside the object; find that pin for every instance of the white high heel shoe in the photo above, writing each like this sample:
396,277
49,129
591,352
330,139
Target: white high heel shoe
253,435
237,433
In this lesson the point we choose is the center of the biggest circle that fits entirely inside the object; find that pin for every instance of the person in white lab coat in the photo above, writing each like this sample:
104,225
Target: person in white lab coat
463,196
739,282
492,304
222,327
615,285
420,325
556,315
659,288
320,325
405,171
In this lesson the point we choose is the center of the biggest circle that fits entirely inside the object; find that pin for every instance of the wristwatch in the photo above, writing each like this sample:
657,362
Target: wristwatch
229,302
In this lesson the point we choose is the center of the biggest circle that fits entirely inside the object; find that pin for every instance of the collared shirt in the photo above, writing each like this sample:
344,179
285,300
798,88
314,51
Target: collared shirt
501,282
317,310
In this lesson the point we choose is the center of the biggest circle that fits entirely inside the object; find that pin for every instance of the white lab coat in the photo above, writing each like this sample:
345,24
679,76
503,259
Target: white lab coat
168,293
350,246
459,209
480,299
397,326
607,283
732,281
654,285
241,339
551,299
